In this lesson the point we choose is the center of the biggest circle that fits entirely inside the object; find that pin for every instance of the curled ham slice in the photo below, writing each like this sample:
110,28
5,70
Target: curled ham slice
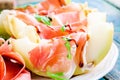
52,52
12,64
43,7
73,19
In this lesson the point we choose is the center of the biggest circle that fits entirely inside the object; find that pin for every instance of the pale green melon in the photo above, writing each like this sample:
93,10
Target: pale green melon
17,28
101,37
3,33
23,46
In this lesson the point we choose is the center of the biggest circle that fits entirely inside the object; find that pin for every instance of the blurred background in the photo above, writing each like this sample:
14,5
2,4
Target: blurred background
22,2
115,2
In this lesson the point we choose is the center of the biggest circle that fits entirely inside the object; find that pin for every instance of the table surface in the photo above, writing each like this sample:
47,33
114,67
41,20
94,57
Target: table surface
113,15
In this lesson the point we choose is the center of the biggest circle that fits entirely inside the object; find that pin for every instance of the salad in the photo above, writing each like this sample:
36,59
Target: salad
56,39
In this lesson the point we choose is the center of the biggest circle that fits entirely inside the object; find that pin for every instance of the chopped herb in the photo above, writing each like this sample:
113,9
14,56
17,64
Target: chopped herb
56,76
63,28
60,73
43,19
67,45
69,56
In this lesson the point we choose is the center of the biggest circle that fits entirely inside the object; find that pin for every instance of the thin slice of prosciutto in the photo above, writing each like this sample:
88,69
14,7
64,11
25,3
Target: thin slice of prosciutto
12,64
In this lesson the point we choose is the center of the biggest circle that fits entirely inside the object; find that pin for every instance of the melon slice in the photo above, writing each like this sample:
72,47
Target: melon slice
17,28
101,37
3,33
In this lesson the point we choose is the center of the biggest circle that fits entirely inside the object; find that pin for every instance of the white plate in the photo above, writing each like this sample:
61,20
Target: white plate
101,69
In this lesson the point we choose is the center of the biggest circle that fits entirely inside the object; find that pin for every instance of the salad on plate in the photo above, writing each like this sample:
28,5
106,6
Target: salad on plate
56,39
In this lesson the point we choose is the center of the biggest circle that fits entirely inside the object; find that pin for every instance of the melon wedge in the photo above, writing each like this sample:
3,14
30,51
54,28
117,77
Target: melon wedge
101,37
3,33
17,28
24,49
23,46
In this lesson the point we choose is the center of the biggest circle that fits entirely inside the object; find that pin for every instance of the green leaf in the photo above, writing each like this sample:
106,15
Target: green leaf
56,76
3,33
67,45
60,73
63,28
69,56
43,19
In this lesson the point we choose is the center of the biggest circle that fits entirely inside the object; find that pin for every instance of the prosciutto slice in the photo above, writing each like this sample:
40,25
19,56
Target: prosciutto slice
12,64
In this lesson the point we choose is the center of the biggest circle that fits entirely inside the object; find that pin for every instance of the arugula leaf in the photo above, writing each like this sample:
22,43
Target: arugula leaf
63,28
43,19
67,45
56,76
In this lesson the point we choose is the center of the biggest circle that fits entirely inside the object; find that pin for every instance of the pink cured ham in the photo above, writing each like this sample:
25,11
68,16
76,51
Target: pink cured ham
12,64
51,54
